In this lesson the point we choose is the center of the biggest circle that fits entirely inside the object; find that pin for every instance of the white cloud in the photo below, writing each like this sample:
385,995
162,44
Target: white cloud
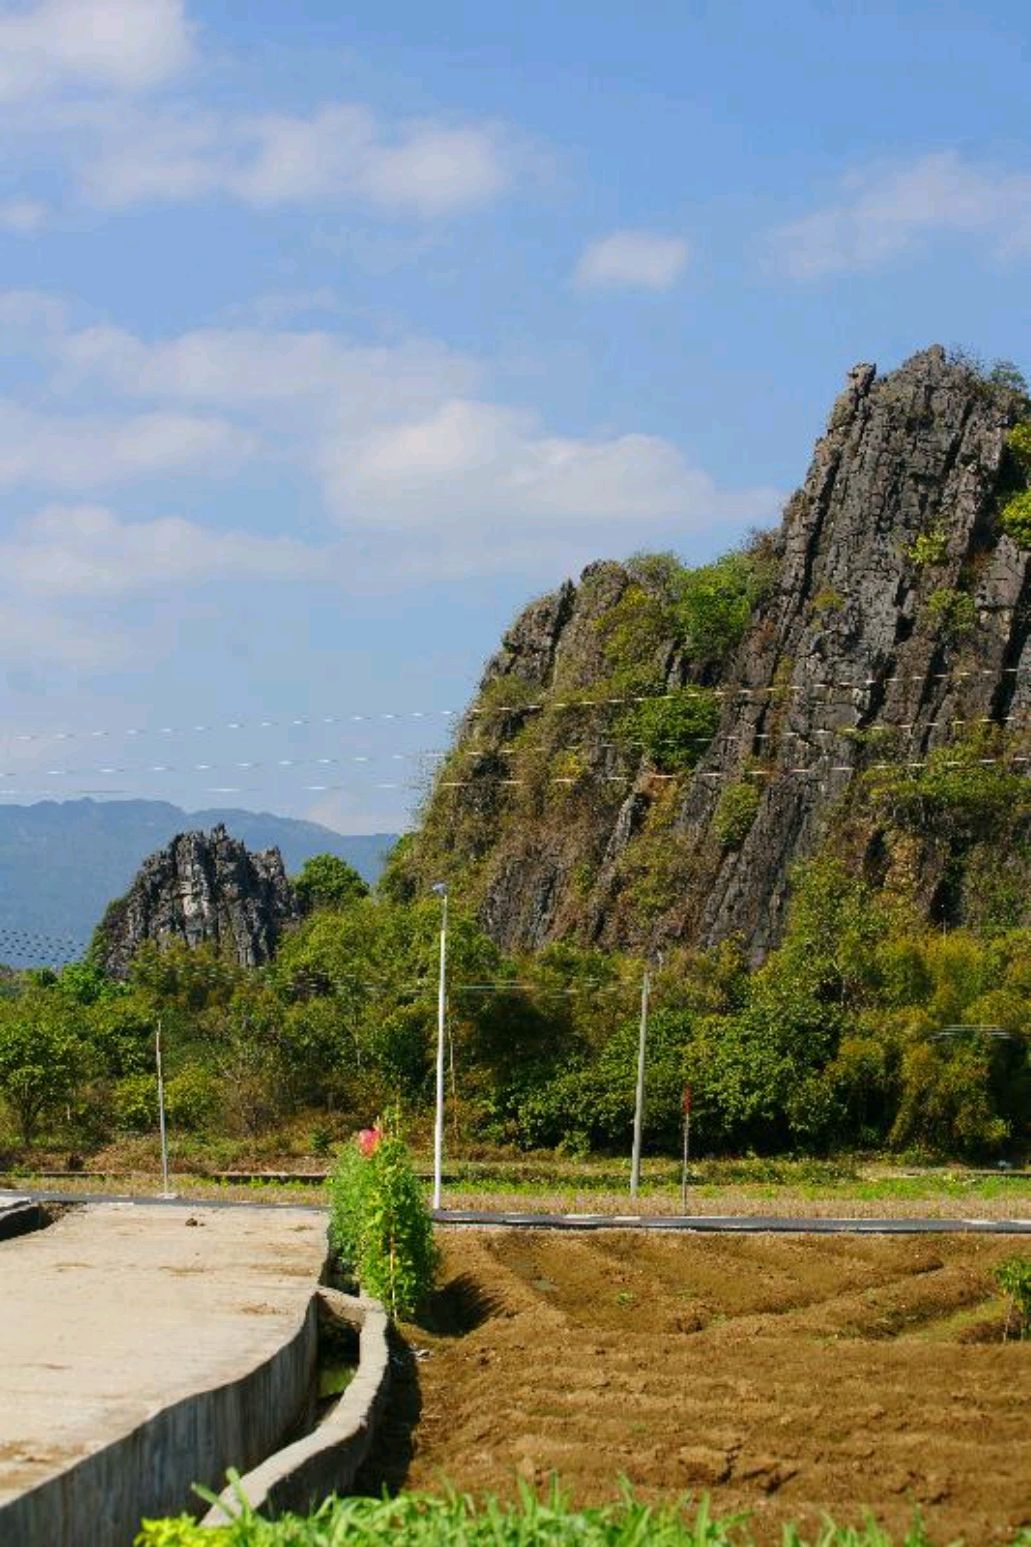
23,217
87,551
485,488
399,438
123,45
248,368
633,260
43,451
43,636
890,211
339,154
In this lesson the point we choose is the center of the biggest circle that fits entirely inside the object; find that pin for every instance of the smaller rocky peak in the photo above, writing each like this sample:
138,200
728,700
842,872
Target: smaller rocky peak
528,648
203,887
857,386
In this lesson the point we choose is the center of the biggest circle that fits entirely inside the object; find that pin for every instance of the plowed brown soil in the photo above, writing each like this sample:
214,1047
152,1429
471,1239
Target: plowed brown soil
784,1375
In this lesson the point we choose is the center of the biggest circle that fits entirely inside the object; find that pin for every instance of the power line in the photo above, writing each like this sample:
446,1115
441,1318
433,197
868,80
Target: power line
375,718
818,769
509,750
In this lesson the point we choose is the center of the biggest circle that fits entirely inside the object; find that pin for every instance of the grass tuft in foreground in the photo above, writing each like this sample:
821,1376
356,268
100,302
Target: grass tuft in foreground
457,1520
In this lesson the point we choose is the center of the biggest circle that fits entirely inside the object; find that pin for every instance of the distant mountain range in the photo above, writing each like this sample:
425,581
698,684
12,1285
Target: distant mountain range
62,862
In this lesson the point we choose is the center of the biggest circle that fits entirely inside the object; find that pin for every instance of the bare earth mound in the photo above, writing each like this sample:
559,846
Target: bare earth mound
786,1376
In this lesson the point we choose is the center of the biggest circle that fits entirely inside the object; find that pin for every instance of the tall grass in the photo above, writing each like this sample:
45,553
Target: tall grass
457,1520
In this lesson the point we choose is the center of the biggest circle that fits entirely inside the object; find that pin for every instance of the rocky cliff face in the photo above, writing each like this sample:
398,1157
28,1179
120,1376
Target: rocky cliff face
893,623
202,887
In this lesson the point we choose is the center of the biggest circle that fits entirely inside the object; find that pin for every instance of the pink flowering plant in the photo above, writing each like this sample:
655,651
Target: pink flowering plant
380,1226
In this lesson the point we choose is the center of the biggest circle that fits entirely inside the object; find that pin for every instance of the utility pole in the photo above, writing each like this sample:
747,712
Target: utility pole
161,1113
635,1162
687,1148
438,1127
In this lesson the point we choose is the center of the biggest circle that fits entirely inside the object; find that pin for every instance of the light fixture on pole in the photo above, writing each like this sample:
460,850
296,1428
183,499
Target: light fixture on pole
440,888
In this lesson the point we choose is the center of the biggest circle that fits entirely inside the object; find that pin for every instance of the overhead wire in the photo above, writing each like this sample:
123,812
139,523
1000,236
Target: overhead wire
382,716
360,760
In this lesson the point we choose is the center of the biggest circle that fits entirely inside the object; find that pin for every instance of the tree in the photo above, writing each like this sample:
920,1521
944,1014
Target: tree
327,881
40,1056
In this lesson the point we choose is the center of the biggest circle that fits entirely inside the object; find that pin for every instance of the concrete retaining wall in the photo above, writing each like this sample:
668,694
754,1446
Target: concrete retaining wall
326,1460
18,1216
99,1501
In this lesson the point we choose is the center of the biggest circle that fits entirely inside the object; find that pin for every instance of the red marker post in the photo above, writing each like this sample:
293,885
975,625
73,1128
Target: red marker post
687,1147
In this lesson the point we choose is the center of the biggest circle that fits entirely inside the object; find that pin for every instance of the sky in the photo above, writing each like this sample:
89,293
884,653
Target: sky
332,335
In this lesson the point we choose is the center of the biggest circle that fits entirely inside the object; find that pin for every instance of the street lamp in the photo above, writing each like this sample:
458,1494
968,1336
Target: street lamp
440,888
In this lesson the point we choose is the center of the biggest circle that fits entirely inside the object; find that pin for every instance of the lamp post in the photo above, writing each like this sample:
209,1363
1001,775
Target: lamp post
438,1126
161,1112
635,1159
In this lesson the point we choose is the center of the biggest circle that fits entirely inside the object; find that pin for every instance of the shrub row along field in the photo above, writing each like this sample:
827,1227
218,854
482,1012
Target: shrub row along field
842,1039
425,1520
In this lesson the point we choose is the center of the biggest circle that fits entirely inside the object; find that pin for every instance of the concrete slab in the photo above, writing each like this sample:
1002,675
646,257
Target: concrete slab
115,1314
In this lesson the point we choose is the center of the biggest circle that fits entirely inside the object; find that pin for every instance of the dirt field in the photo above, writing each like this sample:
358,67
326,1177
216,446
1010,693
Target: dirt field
785,1376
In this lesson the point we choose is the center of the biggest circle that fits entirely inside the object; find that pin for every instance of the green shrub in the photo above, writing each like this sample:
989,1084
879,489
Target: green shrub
41,1058
191,1097
134,1102
1015,519
1014,1279
954,612
736,810
380,1226
827,599
1019,442
676,730
929,547
327,881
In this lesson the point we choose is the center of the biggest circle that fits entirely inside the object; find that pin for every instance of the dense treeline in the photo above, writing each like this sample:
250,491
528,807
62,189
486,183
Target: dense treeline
841,1039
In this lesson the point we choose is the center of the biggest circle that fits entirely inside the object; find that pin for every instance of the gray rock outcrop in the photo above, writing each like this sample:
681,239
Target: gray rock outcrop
202,887
900,618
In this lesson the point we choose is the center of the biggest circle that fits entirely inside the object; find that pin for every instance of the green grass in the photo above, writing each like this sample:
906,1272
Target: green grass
456,1520
545,1182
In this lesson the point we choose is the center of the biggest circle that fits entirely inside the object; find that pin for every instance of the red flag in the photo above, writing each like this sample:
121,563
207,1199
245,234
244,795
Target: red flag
687,1099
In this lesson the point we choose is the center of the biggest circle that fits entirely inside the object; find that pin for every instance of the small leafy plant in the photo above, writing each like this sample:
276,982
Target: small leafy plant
929,547
380,1226
954,612
1015,519
439,1520
736,810
1013,1277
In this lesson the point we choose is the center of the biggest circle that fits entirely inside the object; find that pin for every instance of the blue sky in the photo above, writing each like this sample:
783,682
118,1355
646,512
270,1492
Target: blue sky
333,334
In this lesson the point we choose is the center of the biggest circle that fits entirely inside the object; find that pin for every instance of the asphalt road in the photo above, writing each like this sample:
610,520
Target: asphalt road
736,1224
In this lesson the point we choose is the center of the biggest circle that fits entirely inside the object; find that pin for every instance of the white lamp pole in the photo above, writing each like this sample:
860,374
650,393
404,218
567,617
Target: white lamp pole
161,1113
438,1127
635,1161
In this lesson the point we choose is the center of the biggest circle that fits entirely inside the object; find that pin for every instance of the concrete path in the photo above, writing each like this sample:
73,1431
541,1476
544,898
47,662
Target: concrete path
115,1313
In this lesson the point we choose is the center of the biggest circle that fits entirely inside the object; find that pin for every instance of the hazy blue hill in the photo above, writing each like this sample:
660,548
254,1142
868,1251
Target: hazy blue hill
61,862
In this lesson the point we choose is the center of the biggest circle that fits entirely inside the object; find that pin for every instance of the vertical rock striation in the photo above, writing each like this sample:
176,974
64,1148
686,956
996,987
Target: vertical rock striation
202,887
898,509
900,618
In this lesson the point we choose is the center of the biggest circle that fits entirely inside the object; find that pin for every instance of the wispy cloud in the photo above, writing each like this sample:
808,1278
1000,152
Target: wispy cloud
479,488
398,438
40,450
888,212
632,260
121,45
339,154
88,551
23,217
